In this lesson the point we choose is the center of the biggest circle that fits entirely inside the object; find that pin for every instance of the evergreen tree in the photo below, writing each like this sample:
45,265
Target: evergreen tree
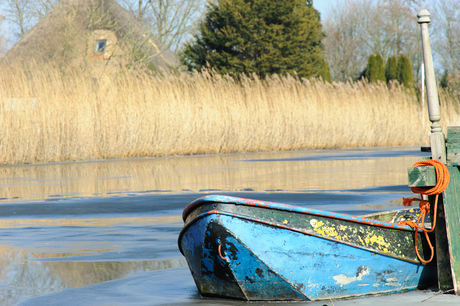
258,36
326,72
444,81
375,70
404,74
391,68
379,69
370,72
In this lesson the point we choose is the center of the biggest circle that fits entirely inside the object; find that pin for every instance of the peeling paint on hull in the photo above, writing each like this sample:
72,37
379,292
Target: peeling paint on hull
243,254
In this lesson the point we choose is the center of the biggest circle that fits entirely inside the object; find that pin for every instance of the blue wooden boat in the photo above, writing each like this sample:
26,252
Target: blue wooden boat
256,250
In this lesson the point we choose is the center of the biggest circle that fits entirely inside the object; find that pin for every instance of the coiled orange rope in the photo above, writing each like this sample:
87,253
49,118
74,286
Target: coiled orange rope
442,181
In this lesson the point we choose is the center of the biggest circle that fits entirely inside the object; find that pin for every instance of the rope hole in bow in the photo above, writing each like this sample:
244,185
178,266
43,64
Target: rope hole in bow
442,181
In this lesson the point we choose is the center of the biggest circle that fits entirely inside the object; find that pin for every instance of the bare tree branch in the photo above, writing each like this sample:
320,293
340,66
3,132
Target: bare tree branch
3,39
343,42
40,8
358,28
170,21
18,12
446,25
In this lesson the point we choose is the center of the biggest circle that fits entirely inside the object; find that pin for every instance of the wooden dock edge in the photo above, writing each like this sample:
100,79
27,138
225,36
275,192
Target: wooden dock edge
447,230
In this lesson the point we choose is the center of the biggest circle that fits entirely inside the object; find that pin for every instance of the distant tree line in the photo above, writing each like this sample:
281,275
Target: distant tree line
356,29
396,69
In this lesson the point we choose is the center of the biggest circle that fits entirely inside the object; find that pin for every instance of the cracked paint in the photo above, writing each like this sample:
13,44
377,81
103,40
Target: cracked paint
343,279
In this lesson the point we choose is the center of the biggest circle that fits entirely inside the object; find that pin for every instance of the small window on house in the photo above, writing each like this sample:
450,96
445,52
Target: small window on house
100,47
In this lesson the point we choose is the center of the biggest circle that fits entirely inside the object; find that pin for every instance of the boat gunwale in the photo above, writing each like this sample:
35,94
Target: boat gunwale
233,215
221,199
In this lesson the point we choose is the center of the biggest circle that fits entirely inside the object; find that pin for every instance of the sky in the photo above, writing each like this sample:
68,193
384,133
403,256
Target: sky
324,6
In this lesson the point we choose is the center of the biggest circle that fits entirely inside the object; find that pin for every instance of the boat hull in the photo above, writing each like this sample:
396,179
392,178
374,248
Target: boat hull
233,256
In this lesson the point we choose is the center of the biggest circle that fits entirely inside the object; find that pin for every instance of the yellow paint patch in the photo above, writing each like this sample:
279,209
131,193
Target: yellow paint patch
372,239
285,222
324,230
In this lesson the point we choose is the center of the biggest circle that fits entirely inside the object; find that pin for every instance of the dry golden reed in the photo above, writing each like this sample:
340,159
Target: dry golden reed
48,116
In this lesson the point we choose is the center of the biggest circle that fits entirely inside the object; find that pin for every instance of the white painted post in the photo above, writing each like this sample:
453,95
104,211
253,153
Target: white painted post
422,71
438,152
437,139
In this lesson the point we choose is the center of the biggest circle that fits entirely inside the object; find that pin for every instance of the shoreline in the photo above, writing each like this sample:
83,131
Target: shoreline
203,155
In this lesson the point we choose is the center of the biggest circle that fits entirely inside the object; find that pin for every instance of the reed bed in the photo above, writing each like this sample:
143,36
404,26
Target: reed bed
48,116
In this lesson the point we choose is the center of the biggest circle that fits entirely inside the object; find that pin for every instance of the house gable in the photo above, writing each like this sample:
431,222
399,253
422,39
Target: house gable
82,32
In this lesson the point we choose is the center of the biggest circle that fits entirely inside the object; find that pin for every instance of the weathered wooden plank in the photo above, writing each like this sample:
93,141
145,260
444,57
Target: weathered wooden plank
424,176
453,134
452,215
453,159
441,245
453,145
451,208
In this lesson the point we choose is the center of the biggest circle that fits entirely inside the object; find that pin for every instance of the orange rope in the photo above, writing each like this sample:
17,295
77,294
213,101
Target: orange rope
442,181
219,250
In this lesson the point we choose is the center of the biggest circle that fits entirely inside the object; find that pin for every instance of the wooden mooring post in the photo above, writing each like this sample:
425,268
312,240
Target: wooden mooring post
447,231
437,141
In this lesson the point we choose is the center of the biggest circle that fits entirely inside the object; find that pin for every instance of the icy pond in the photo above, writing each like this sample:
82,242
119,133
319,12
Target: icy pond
105,232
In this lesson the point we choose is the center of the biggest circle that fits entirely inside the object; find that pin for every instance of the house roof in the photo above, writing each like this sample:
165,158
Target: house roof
63,35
